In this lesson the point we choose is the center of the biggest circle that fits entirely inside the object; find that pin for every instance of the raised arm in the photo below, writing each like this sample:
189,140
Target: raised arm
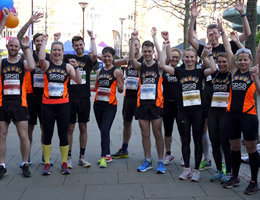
135,64
122,61
235,38
93,56
155,41
3,21
165,36
227,46
194,13
162,65
73,71
208,60
44,64
57,36
120,80
254,71
240,7
29,65
33,19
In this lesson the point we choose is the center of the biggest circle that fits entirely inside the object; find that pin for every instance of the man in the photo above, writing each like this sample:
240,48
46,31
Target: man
35,80
13,104
79,95
130,99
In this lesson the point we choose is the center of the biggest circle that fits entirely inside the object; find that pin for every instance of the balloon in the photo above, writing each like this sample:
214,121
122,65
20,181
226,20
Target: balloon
6,3
12,21
1,15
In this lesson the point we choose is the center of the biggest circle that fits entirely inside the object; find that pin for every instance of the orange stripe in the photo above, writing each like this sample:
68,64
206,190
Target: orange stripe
24,91
55,101
112,98
1,91
159,100
249,100
138,94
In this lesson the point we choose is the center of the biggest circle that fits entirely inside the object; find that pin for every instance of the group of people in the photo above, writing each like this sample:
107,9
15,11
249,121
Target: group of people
215,93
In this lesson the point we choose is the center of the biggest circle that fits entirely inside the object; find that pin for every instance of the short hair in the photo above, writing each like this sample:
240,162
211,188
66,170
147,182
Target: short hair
211,26
109,50
58,43
177,50
221,54
36,35
148,43
190,49
136,39
77,38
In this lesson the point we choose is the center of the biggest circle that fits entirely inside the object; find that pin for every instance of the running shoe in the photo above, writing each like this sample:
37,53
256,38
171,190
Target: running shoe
103,163
29,162
205,165
160,169
168,158
217,176
43,161
182,162
64,168
120,154
3,171
224,170
108,159
185,174
195,176
147,165
233,182
83,162
252,188
69,162
46,169
226,178
26,171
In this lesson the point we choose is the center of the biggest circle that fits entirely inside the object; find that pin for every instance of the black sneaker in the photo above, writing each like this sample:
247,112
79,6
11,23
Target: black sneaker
252,188
3,171
26,171
233,182
120,154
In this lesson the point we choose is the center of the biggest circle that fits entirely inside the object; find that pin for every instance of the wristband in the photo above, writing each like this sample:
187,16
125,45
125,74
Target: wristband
27,47
92,39
244,15
210,55
221,33
76,67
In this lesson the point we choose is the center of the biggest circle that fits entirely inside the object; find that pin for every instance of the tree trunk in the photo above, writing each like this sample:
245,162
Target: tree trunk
186,23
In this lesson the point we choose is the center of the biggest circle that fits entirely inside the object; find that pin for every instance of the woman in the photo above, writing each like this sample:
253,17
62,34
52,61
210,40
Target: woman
217,117
55,103
241,116
190,115
170,87
108,79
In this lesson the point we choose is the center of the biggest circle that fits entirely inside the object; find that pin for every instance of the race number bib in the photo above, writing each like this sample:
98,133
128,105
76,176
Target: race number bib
220,99
11,87
191,98
38,81
148,91
56,89
83,76
103,94
132,83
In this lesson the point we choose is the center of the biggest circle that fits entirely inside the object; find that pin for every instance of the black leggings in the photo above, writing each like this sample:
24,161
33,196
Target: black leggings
187,119
105,117
219,137
169,114
50,113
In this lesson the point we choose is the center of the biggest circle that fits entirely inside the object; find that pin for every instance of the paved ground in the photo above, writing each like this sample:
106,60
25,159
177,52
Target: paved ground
119,180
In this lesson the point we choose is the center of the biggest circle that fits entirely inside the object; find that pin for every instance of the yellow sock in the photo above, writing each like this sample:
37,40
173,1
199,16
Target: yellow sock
46,153
64,150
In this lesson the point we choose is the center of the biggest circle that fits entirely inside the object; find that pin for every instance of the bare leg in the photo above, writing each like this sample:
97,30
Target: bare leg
127,131
83,135
22,130
157,131
3,135
70,134
145,130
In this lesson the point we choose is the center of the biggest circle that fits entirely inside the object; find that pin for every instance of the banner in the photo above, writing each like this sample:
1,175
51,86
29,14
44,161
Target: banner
117,46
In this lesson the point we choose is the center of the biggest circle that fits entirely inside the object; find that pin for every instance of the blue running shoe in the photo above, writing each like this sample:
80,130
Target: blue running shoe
43,161
217,176
160,169
147,165
29,162
226,178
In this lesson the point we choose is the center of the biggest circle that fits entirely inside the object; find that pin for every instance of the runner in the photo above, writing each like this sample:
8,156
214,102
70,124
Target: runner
109,78
55,103
13,104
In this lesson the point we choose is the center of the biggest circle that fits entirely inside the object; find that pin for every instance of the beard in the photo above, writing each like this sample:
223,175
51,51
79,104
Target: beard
12,53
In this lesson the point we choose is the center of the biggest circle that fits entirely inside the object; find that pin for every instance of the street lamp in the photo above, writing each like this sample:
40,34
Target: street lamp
121,41
83,6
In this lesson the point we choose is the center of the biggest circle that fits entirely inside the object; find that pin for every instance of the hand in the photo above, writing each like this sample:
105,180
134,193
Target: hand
73,62
25,42
207,50
134,35
165,35
90,33
220,26
5,13
45,37
36,17
254,71
154,31
234,36
240,6
57,36
194,10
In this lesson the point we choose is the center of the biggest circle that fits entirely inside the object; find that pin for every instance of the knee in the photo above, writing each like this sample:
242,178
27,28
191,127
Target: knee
235,147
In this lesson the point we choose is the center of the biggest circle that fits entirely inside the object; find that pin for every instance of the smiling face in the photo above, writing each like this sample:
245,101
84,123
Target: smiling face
222,64
213,37
148,52
244,62
13,47
175,58
79,47
57,52
189,58
107,58
38,42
